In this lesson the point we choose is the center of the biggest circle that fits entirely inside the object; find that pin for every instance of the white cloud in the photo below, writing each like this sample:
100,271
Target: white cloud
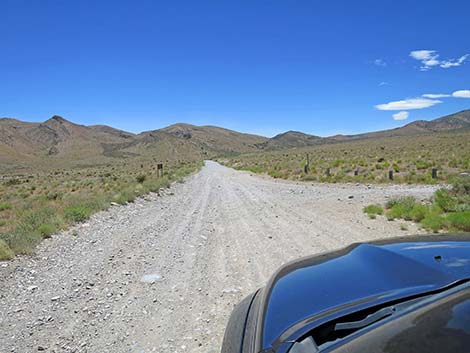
423,54
379,62
430,58
383,83
433,96
401,116
408,104
451,63
465,93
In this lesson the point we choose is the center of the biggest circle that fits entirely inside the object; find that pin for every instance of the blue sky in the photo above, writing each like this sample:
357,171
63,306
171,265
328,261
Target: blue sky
322,67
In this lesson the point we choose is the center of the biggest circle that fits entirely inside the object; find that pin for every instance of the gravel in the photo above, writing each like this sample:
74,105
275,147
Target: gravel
162,274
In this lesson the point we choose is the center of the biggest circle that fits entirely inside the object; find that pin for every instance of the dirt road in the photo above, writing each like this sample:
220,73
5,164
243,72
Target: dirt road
162,274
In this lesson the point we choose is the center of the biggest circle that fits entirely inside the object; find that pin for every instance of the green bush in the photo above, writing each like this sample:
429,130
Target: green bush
434,222
373,210
400,208
47,229
5,252
419,212
445,201
420,164
77,213
459,220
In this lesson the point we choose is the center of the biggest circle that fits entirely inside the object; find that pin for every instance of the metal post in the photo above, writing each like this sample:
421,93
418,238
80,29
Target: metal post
390,174
434,173
327,172
356,172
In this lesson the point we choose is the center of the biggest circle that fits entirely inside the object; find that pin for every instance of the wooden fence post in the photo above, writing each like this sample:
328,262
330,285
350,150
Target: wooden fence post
159,170
307,166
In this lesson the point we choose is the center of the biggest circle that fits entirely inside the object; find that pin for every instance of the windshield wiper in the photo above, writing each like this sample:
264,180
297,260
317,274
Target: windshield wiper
368,320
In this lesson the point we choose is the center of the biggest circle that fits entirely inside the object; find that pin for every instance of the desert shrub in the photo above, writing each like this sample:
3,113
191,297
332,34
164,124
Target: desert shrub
33,219
141,178
53,195
434,222
47,229
11,182
400,207
125,196
5,206
77,213
373,210
455,199
21,240
5,252
337,163
461,186
420,164
419,212
459,220
444,200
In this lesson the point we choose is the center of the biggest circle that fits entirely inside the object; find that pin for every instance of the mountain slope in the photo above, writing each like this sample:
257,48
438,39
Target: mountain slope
55,137
215,139
290,139
456,121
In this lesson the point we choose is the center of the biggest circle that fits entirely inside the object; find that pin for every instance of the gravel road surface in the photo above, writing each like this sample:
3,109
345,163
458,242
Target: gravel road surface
162,274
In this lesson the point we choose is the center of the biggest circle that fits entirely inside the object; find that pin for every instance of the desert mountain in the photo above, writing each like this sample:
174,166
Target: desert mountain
216,139
290,139
456,121
55,137
58,139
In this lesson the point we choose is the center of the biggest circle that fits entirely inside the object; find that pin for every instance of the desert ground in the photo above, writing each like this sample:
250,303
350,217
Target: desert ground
163,273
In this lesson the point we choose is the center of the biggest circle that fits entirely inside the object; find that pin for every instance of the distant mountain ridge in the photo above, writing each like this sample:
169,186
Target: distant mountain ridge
456,121
59,138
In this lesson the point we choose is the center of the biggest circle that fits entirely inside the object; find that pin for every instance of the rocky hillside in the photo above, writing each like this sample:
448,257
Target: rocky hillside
216,139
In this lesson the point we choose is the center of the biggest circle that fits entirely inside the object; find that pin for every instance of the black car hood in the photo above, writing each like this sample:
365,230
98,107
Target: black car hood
315,289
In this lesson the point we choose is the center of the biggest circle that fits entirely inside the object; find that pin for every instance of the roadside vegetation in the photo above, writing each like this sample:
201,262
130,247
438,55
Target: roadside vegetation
448,210
410,159
35,206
